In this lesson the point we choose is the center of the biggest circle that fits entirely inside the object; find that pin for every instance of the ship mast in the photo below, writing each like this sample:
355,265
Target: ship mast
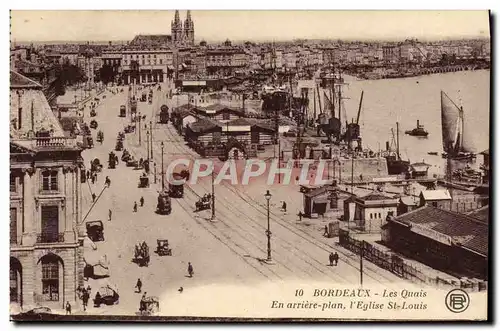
397,141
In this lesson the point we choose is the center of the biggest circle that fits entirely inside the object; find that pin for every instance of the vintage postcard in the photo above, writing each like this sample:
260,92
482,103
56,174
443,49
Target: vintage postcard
249,165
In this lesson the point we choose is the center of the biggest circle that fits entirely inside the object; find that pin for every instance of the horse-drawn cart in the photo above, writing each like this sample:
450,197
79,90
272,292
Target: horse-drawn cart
204,202
162,248
112,160
141,255
95,230
149,306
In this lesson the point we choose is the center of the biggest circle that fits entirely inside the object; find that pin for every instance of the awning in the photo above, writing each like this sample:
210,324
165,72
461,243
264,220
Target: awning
321,200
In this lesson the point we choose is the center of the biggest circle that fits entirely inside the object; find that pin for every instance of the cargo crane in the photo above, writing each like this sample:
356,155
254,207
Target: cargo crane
353,132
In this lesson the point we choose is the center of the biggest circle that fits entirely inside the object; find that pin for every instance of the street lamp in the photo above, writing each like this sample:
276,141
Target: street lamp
147,144
162,172
268,232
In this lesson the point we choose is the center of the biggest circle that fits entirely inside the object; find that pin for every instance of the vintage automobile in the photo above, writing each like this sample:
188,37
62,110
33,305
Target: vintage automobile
164,114
164,206
93,124
141,255
119,145
123,111
149,306
100,136
96,165
177,190
143,181
112,160
107,296
95,230
162,247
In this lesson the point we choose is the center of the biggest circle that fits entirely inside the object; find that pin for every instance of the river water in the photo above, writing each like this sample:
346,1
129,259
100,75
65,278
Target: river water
406,100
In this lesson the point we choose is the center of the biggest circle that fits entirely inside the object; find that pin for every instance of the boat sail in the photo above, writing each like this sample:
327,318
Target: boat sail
452,122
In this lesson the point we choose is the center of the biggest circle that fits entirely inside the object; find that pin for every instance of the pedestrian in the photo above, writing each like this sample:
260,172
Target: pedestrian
93,197
142,304
326,231
93,178
109,215
85,300
142,201
138,285
135,207
89,289
331,258
97,300
283,207
68,308
107,181
336,258
190,269
300,216
88,174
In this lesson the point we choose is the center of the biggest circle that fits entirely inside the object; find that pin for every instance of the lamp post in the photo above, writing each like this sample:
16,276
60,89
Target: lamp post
213,195
147,144
268,232
162,172
139,127
151,137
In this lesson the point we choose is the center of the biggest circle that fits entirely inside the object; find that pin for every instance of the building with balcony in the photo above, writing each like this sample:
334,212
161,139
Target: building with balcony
46,261
146,65
225,61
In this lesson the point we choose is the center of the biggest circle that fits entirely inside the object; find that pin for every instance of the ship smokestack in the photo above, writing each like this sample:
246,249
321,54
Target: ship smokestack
418,123
386,145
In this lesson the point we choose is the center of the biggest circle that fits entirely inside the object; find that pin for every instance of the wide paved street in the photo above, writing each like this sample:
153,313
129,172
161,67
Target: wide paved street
229,251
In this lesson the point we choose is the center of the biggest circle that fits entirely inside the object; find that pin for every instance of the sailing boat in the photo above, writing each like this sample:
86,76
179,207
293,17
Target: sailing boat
452,123
395,165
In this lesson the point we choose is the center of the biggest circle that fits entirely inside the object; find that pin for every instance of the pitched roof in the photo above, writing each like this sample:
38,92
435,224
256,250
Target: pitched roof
19,81
151,39
409,201
318,191
375,197
465,230
436,195
486,152
240,121
482,213
203,125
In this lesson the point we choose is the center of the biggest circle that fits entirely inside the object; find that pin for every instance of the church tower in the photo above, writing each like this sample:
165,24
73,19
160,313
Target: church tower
189,29
176,28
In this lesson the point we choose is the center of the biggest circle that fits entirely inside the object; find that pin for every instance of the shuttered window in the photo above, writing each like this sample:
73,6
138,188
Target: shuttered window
50,224
49,180
13,225
13,183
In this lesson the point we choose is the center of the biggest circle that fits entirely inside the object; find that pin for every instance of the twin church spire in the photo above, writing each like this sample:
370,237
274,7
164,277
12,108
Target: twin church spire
183,34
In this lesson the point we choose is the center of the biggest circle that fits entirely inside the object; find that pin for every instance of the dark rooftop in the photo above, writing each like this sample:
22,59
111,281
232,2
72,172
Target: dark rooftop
19,81
482,213
467,231
151,40
203,125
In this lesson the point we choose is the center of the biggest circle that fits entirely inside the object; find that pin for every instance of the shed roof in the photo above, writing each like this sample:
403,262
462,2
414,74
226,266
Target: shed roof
203,125
465,230
430,195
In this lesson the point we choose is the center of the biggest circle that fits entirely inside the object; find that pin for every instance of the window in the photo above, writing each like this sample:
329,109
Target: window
13,225
149,55
13,285
154,56
161,61
226,116
143,56
50,225
50,279
13,183
154,61
379,215
49,180
371,215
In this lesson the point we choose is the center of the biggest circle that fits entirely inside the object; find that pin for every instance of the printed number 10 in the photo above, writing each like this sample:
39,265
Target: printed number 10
299,292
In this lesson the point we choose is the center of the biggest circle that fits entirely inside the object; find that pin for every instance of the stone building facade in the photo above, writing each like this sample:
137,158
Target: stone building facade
46,260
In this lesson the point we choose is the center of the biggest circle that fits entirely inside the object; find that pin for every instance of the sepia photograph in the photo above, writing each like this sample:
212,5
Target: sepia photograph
249,165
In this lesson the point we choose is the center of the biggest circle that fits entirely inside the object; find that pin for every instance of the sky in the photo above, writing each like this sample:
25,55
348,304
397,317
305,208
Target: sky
252,25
